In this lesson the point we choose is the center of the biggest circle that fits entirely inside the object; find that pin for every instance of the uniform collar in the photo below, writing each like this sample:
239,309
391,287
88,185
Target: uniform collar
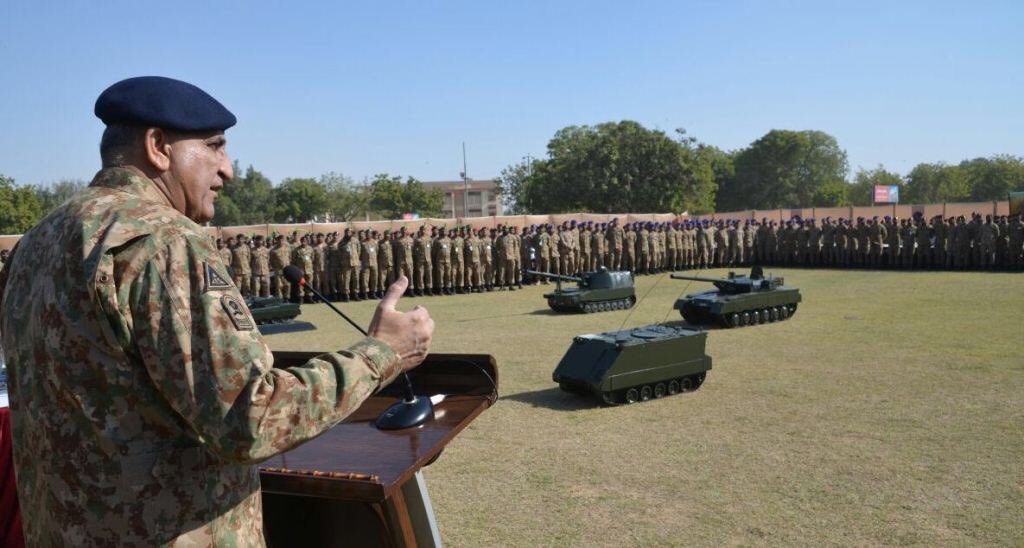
131,180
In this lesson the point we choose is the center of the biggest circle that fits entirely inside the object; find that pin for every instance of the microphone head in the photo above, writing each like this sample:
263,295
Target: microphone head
293,274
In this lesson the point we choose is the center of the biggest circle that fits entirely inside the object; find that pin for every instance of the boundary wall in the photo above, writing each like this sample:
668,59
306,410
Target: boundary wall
898,210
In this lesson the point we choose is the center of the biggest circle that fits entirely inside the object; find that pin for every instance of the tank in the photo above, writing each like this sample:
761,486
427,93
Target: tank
271,310
635,364
597,291
739,301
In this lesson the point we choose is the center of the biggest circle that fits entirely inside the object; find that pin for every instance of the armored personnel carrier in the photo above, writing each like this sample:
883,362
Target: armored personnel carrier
271,310
635,364
739,301
597,291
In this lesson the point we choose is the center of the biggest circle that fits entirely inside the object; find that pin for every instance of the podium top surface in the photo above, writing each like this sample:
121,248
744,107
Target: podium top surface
356,461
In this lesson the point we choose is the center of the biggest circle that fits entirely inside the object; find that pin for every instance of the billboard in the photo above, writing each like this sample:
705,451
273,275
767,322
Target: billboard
1017,203
887,194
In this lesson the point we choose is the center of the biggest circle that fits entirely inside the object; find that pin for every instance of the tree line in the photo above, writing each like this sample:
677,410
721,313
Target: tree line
614,167
622,167
251,198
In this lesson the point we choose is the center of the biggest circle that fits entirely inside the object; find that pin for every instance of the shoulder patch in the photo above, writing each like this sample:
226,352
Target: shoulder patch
237,312
215,280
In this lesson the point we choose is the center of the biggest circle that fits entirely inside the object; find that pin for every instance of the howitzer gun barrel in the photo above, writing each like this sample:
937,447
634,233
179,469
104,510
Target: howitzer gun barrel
554,276
699,279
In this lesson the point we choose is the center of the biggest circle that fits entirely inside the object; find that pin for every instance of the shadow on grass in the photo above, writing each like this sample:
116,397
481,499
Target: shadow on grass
496,317
555,398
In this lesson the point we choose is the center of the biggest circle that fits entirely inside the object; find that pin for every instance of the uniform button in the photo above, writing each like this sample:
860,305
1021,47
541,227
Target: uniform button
104,278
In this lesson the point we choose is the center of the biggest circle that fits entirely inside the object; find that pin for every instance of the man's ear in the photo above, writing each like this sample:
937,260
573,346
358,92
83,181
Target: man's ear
158,149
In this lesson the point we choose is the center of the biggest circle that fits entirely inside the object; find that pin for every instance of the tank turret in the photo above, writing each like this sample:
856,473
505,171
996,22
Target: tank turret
596,291
739,301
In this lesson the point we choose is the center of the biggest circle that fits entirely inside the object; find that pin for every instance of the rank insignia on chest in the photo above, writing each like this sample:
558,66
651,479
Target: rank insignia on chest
237,312
215,281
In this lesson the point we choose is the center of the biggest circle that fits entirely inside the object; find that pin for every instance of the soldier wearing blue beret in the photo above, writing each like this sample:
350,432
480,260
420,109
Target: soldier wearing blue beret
142,392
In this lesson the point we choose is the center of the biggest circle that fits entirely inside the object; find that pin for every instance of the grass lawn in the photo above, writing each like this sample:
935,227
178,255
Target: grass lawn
888,410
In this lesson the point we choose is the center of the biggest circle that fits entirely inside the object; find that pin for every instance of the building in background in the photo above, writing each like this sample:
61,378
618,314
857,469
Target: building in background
482,199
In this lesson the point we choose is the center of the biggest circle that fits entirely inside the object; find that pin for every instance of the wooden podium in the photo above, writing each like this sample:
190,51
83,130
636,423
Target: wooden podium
356,485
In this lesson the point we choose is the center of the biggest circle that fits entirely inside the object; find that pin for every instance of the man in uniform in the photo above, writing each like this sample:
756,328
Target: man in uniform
141,391
420,254
320,264
597,241
628,259
302,257
280,257
555,262
348,266
486,243
240,261
876,239
1015,242
613,236
892,254
566,250
223,250
385,262
443,262
510,255
543,245
587,237
471,254
260,267
369,275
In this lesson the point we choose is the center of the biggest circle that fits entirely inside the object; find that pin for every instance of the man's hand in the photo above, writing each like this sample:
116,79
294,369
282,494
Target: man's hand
407,333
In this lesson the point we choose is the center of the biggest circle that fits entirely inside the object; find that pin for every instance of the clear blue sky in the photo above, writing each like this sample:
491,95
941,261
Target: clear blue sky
397,86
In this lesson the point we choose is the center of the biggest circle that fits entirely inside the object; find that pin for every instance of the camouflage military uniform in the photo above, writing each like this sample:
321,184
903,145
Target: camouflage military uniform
141,391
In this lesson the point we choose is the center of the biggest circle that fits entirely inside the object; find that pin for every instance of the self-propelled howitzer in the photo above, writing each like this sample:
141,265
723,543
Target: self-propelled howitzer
596,291
739,301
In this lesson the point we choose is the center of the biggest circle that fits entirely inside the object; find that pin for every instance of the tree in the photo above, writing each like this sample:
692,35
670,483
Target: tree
935,183
51,196
862,192
993,178
392,198
19,208
247,199
300,201
615,167
786,169
345,199
512,182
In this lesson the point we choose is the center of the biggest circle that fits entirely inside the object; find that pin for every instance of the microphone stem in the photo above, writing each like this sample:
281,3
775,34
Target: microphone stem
410,395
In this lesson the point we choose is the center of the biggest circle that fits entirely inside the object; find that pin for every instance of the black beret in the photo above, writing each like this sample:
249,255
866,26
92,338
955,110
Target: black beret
155,101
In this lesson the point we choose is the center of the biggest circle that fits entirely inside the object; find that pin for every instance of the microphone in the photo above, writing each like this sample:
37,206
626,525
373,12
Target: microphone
413,410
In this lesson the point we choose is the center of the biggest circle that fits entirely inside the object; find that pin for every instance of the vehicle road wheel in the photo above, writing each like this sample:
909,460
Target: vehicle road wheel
659,390
632,395
646,392
608,398
764,316
745,318
632,301
588,308
792,309
734,320
773,314
673,387
698,379
783,312
685,384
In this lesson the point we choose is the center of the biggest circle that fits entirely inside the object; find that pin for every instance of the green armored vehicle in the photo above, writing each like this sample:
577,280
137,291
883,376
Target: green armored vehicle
271,310
597,291
635,364
739,301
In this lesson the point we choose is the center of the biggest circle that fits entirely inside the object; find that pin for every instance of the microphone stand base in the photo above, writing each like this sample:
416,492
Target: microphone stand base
406,414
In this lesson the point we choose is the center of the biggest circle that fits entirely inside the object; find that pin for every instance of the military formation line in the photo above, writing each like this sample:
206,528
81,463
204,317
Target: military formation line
360,264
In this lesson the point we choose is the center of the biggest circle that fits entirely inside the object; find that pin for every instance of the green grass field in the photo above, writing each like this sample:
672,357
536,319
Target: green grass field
889,410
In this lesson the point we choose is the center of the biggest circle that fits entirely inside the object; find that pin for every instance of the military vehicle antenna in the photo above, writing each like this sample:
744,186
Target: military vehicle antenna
637,305
670,310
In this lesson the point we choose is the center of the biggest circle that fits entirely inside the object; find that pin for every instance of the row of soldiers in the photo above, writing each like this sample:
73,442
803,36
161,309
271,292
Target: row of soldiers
360,265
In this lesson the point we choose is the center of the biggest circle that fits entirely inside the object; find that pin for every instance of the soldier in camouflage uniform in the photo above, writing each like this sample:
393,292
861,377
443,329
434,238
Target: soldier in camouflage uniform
280,257
240,265
385,262
419,253
369,275
302,257
141,392
260,267
224,251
